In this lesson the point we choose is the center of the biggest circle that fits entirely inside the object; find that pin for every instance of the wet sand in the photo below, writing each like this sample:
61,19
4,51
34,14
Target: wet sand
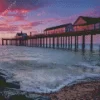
80,91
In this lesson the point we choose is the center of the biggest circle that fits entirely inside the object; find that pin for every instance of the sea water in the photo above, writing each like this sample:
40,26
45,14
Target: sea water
47,70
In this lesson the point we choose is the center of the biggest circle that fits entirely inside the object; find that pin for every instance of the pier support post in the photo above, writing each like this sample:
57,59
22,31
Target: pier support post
91,44
30,42
57,42
10,42
40,42
36,42
83,43
33,42
53,42
6,42
43,42
75,43
2,41
68,42
26,42
16,42
49,42
46,42
63,42
71,42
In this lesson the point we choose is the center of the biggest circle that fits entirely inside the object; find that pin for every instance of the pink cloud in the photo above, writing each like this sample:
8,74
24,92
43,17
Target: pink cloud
9,28
3,5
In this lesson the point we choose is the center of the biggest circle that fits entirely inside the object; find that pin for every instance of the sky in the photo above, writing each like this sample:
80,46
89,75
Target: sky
36,15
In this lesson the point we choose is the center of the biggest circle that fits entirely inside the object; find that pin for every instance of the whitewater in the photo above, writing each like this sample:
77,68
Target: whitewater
45,70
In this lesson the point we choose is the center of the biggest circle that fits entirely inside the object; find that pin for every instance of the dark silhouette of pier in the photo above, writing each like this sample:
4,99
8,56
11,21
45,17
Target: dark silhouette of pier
55,41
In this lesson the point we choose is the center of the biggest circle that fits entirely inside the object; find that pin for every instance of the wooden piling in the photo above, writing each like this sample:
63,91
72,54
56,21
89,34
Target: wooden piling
57,43
83,43
46,42
75,43
63,42
71,42
68,42
2,42
53,42
43,43
49,42
91,43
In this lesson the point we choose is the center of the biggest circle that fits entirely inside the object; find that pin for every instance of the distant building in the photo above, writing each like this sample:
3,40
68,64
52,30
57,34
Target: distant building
86,23
59,29
21,35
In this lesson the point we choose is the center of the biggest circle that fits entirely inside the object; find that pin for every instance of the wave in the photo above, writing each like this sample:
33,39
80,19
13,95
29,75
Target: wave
45,71
46,78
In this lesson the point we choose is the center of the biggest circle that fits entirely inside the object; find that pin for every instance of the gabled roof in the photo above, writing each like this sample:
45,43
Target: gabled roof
60,26
20,34
88,20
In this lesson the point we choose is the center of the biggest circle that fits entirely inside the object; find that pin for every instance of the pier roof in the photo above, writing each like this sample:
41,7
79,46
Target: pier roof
60,26
88,20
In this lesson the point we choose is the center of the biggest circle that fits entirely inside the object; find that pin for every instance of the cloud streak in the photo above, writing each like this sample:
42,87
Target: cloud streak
21,5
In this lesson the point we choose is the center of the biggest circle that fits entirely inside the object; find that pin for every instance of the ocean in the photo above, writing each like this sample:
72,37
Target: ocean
45,70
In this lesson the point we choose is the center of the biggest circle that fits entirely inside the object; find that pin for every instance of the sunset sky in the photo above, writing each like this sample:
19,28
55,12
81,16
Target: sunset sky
36,15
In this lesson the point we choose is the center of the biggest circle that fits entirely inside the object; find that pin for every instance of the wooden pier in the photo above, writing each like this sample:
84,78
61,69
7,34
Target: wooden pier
55,41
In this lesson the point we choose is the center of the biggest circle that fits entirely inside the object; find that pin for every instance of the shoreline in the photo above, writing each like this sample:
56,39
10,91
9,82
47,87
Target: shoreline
85,90
79,91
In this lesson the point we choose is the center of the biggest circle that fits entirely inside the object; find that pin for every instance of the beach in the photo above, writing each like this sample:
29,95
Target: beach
80,91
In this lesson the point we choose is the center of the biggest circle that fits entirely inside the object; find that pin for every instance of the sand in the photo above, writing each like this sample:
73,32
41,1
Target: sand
80,91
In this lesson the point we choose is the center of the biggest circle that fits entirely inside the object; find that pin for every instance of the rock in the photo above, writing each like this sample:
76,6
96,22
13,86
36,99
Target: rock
16,94
2,82
2,74
13,85
12,92
19,97
2,97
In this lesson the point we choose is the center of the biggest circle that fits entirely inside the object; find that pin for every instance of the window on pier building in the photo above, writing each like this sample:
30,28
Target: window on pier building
81,28
60,29
91,27
97,26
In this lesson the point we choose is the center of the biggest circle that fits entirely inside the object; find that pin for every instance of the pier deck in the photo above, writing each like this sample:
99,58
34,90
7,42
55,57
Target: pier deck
58,40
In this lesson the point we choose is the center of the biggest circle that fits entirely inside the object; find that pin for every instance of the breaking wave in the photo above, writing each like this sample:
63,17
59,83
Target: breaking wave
44,70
